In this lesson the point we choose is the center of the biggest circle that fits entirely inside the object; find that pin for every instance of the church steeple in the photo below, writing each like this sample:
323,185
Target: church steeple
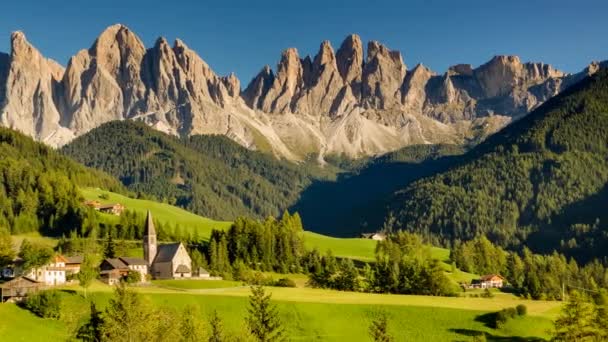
149,239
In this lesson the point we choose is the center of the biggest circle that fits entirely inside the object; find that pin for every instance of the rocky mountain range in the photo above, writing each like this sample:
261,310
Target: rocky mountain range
347,101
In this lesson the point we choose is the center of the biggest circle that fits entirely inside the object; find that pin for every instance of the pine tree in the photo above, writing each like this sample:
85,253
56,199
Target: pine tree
263,320
7,254
110,247
378,329
91,330
576,321
128,318
217,328
190,326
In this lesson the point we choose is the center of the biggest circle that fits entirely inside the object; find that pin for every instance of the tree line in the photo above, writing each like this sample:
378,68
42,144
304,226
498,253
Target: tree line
531,275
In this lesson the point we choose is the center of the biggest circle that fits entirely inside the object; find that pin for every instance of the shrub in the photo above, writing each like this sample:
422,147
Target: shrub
285,282
46,304
133,277
522,310
487,294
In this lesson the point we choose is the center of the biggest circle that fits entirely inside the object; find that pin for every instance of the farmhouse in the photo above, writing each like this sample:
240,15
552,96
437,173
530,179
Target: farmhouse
374,236
19,288
112,270
165,261
53,273
72,265
489,281
114,209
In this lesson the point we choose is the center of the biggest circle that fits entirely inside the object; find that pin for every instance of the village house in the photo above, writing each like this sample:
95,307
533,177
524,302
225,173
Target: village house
53,273
488,281
72,265
113,270
374,236
19,288
165,261
114,209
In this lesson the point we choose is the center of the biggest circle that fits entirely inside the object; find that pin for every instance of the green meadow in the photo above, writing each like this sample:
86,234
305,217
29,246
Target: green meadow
307,314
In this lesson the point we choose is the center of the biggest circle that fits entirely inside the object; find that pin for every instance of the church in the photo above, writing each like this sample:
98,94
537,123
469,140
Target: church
165,261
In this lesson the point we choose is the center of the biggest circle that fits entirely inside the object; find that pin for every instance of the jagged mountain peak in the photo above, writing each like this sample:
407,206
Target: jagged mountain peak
338,102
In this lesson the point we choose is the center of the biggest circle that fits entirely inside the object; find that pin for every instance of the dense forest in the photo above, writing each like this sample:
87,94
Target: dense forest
209,175
541,181
39,187
356,201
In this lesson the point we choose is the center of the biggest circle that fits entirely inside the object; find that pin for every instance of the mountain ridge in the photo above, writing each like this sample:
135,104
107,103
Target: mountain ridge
337,102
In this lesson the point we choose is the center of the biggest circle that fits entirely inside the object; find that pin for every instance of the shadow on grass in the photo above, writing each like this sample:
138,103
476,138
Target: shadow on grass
70,292
491,337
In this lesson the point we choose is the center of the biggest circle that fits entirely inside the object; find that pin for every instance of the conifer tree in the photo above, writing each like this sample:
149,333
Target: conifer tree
263,320
378,329
217,328
91,331
576,321
110,247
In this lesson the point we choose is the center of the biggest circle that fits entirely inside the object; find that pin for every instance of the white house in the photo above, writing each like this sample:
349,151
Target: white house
52,273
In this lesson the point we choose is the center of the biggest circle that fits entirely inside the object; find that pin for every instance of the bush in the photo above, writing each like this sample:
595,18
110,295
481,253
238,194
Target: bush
522,310
487,294
45,304
285,282
133,277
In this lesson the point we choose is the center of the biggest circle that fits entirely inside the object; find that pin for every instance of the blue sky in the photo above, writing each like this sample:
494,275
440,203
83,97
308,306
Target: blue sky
243,36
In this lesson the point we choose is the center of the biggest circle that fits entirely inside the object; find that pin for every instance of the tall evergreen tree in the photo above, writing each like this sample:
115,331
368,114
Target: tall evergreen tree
91,330
7,254
378,329
216,333
576,321
109,250
263,319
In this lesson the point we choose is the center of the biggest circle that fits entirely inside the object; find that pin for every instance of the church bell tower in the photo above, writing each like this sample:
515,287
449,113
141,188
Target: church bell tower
149,240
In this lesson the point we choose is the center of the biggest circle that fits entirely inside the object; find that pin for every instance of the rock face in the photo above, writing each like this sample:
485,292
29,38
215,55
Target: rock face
337,102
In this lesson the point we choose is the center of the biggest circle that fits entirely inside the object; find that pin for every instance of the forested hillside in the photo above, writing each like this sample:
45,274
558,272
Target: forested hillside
39,187
209,175
356,201
541,181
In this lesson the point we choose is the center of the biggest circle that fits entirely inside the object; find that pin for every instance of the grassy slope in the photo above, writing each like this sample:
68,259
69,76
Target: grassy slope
313,315
161,212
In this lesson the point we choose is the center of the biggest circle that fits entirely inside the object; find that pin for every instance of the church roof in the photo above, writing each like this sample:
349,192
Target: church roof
149,227
166,252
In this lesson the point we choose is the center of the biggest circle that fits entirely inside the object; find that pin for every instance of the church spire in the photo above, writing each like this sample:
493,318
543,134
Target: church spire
149,239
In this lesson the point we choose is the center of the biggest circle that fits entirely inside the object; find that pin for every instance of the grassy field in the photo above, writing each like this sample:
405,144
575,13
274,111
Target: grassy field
161,212
309,314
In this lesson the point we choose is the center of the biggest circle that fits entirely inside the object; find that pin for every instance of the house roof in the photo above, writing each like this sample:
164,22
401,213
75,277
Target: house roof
490,276
182,269
60,258
110,206
75,259
116,263
166,252
21,282
133,261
